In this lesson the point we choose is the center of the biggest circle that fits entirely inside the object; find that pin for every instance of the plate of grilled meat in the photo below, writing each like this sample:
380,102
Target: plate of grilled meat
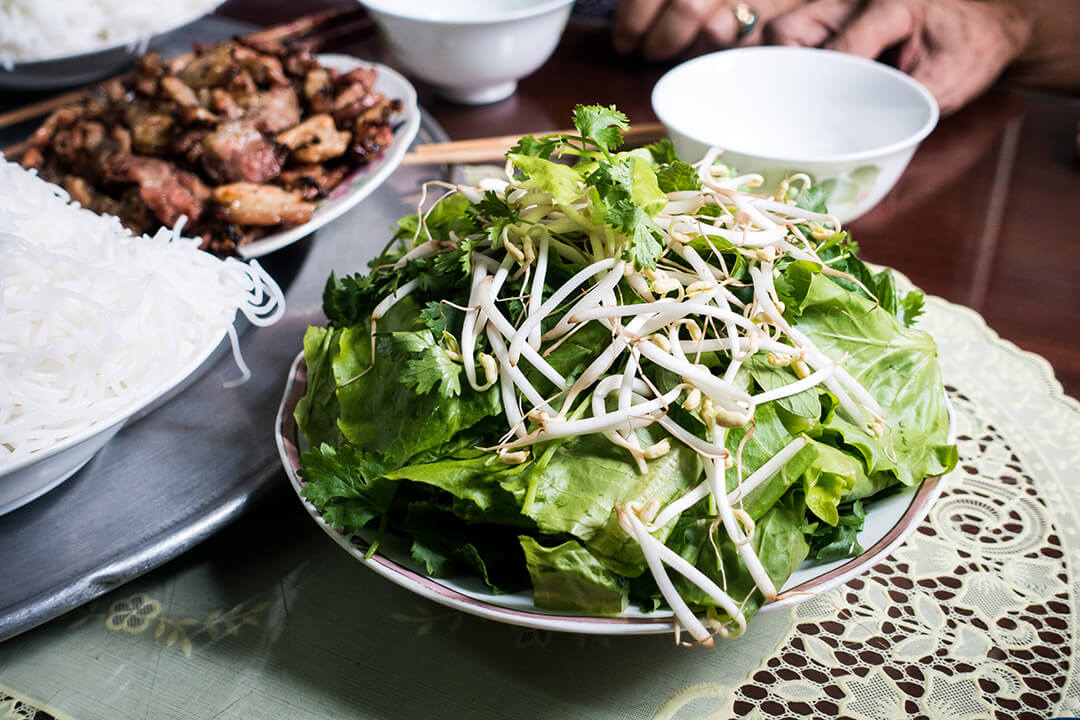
249,145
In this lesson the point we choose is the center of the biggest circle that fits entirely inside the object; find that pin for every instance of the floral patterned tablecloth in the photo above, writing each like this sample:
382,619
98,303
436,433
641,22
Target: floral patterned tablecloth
974,617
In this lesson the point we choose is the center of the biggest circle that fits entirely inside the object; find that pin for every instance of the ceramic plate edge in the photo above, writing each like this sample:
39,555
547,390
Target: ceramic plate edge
392,84
285,432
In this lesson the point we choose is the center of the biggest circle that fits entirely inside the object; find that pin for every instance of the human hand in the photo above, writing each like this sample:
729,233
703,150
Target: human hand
956,48
665,28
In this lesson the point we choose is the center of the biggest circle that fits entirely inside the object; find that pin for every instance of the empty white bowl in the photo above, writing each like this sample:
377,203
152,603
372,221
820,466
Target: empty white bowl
849,123
473,51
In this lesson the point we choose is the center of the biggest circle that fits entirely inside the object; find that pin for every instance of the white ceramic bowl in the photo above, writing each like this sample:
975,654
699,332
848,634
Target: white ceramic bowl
849,123
473,51
33,476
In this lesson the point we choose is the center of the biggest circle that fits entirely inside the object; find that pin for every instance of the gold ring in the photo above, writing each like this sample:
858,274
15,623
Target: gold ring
746,17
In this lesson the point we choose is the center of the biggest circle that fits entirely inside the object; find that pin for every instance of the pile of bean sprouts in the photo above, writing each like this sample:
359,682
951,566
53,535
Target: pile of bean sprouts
681,308
95,321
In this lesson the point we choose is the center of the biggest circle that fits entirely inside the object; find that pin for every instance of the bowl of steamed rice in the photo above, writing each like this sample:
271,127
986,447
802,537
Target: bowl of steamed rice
47,44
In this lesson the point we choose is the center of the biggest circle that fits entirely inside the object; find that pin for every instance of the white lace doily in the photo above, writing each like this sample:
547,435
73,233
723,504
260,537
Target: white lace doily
976,615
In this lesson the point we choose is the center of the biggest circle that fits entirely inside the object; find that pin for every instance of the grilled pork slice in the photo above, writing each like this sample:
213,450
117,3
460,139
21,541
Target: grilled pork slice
245,203
315,140
275,109
236,151
168,191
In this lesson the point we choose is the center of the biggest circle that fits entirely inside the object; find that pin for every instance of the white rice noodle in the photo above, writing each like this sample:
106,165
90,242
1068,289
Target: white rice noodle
95,321
41,29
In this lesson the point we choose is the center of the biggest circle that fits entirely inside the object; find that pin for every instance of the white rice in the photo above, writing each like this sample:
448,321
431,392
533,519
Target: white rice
43,29
95,322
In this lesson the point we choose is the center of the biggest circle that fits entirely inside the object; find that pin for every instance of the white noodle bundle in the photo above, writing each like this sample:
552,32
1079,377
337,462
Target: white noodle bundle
95,321
38,29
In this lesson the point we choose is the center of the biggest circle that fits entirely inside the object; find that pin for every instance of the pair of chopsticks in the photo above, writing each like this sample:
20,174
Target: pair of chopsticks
493,149
318,28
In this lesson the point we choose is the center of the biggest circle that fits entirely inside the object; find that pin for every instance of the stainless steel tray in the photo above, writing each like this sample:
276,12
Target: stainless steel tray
173,477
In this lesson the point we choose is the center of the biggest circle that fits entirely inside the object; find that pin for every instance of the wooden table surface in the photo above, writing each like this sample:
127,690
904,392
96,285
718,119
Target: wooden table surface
984,215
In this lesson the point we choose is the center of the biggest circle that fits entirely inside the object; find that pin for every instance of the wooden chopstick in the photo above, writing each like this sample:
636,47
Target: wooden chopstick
294,29
493,149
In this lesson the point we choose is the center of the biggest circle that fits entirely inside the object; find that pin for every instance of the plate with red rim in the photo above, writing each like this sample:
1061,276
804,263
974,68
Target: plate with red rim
363,181
889,521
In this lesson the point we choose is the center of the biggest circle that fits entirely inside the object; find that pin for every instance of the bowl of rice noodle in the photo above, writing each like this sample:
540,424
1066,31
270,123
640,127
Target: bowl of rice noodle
98,327
48,44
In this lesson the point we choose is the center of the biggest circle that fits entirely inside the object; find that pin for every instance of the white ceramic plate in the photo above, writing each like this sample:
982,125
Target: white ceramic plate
888,523
70,70
363,181
34,476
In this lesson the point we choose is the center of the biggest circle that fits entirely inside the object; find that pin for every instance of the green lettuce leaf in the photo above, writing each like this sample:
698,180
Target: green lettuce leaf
561,181
576,490
382,415
828,542
317,411
898,367
445,544
491,490
568,578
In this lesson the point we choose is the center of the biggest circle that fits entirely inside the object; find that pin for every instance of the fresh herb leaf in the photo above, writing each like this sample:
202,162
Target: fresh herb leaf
346,485
911,307
441,317
536,147
676,176
662,151
601,125
430,365
813,199
496,214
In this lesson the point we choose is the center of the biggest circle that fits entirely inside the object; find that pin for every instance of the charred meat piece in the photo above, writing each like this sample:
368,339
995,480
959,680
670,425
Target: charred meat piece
210,68
319,90
148,72
315,140
247,203
313,182
298,60
369,140
168,191
64,117
380,112
275,109
264,68
151,133
361,76
197,117
243,89
237,151
130,208
354,95
222,103
76,146
175,89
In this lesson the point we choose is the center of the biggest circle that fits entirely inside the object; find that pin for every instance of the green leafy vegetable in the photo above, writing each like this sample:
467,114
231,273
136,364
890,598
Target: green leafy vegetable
703,374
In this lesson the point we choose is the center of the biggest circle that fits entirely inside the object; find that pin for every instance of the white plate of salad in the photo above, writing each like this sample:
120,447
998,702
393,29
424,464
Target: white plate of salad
619,395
